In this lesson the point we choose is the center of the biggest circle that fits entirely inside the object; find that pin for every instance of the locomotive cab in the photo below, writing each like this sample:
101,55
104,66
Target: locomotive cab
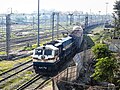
47,53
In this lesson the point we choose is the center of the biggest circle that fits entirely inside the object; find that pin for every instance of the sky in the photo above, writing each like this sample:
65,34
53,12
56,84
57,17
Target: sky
28,6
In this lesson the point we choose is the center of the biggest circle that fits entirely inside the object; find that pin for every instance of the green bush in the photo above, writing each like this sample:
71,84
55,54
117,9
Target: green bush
104,69
101,51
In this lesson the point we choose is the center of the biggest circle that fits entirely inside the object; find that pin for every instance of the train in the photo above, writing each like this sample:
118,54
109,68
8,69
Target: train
52,56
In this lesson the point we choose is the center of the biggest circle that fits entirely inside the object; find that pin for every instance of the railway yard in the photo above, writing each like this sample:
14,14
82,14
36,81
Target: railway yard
19,38
18,76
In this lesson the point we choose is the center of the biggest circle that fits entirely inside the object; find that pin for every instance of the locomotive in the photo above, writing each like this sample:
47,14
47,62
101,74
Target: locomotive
50,58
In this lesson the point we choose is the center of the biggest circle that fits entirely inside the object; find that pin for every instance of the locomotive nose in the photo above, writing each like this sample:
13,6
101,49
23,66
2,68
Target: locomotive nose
43,57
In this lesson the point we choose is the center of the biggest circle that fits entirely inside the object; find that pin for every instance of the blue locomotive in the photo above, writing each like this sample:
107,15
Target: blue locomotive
49,58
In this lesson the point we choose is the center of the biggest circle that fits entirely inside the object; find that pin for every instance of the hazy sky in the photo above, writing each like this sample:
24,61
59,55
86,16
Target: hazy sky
28,6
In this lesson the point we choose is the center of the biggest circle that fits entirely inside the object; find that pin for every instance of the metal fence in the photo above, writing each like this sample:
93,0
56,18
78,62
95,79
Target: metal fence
67,80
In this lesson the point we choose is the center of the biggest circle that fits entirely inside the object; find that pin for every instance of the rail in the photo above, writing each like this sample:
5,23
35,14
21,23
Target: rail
25,85
15,73
42,84
15,67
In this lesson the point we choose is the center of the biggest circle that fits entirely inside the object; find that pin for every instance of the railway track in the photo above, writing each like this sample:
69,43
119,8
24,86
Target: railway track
18,69
37,82
42,84
2,49
25,39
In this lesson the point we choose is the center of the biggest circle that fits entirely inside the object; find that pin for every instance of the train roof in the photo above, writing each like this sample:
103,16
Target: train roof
77,28
64,39
48,47
67,38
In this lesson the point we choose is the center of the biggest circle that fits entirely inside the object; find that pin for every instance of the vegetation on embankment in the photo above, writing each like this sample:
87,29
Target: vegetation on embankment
106,67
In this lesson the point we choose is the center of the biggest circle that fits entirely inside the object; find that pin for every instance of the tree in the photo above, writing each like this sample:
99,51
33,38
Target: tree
117,7
104,70
116,17
101,51
106,65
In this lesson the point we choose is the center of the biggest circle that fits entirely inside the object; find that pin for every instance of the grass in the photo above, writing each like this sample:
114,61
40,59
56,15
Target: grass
97,29
97,34
100,35
6,65
9,83
96,38
2,53
13,82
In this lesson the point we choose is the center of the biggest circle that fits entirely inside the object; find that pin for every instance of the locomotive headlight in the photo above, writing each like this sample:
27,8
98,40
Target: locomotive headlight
43,57
43,47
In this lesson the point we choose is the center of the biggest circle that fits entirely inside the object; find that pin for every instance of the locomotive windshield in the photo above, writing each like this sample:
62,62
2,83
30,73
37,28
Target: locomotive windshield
43,52
38,52
48,52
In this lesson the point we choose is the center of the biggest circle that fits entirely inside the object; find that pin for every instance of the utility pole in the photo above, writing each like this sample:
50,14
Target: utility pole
45,28
45,22
38,37
57,25
53,14
67,21
86,21
115,25
106,9
79,19
33,22
2,24
100,16
85,65
71,19
8,25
